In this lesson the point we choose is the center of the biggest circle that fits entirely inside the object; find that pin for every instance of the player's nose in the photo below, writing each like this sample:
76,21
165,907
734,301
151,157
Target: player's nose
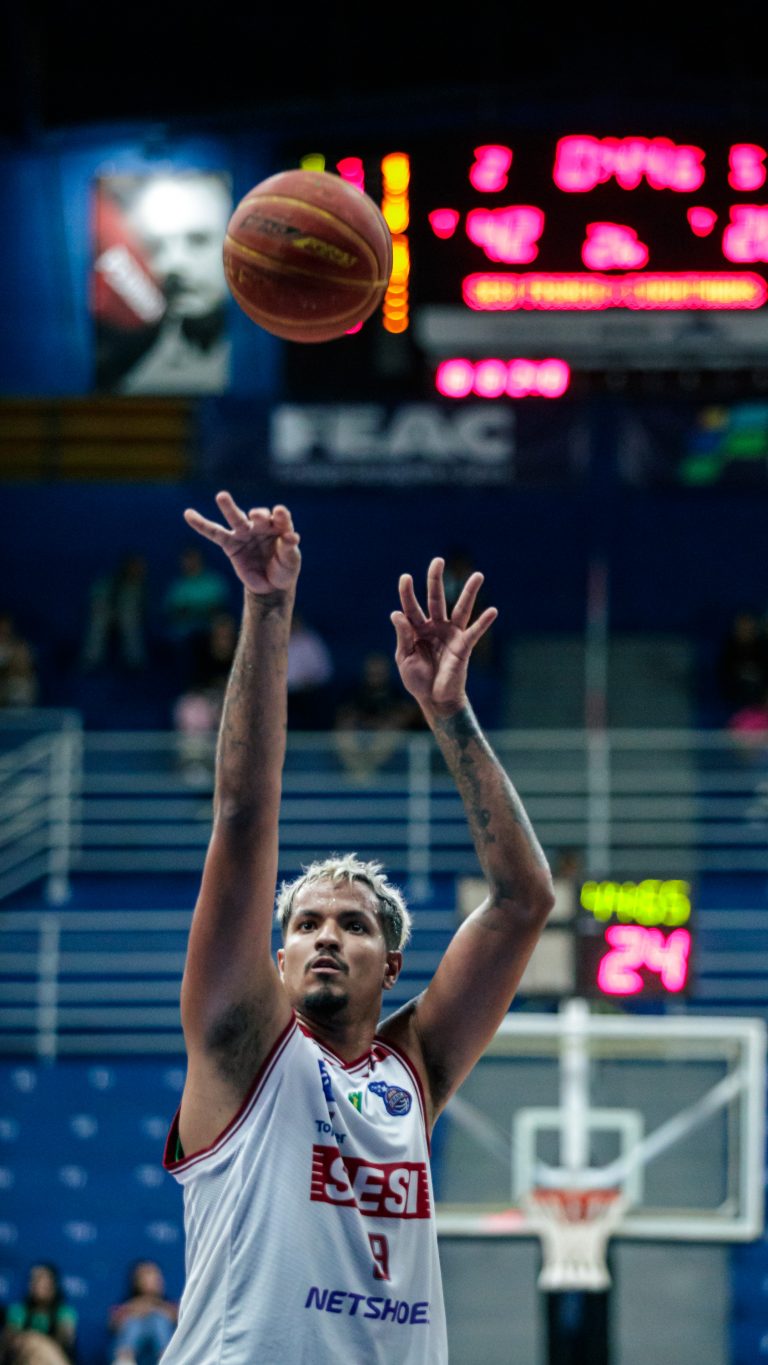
328,932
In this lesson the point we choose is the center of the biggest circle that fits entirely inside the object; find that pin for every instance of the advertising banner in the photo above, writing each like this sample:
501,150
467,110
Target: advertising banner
158,293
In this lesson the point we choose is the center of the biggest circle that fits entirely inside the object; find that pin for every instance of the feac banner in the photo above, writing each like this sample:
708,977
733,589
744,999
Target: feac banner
426,443
158,294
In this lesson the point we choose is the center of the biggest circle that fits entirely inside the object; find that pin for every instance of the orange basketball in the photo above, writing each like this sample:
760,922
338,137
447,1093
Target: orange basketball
307,256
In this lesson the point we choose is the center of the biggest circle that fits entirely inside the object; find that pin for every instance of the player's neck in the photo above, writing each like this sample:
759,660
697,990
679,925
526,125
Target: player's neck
348,1039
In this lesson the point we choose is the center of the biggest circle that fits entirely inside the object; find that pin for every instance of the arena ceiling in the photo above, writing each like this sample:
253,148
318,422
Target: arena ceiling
75,63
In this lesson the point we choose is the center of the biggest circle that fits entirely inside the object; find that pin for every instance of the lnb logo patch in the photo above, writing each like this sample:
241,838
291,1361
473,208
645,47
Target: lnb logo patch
396,1100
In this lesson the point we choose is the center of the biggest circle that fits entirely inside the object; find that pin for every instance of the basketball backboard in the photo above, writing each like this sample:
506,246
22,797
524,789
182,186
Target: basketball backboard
671,1110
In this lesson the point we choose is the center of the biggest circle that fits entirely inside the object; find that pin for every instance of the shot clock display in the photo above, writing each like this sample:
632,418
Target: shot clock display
638,944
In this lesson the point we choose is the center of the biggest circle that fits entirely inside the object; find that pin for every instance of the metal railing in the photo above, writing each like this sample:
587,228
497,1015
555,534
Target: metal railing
96,982
40,769
79,805
634,802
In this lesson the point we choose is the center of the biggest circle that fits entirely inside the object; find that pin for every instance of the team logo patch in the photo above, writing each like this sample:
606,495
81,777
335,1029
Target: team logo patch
396,1100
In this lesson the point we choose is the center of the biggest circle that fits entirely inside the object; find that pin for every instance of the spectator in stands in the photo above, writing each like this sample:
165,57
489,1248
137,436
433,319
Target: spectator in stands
29,1348
743,662
19,684
143,1324
197,712
44,1310
116,631
310,669
368,721
193,600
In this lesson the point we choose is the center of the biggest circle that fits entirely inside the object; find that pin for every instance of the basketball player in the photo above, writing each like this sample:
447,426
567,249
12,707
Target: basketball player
302,1136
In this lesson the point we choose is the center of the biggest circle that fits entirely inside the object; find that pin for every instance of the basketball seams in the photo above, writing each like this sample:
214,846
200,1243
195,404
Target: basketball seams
301,324
284,268
332,217
360,242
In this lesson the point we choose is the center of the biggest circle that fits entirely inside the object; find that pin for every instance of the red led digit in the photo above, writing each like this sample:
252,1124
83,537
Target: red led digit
490,378
350,168
746,237
747,166
668,956
633,947
509,234
701,220
583,162
618,973
443,222
490,169
454,378
612,246
521,378
552,378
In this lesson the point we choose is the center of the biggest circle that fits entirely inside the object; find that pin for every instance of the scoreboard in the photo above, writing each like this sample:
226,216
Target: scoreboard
586,248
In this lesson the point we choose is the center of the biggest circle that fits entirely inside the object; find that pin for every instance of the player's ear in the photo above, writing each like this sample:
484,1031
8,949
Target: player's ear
392,968
281,961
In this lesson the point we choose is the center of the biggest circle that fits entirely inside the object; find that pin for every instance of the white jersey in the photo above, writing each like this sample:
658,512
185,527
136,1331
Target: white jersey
310,1225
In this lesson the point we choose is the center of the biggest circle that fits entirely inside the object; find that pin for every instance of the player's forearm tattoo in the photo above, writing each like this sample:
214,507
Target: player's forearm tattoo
506,844
251,740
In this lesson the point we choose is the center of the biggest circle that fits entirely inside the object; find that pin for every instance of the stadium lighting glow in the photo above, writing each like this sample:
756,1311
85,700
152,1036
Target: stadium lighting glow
395,205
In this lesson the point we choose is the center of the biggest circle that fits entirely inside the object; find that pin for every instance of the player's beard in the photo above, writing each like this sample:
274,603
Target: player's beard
322,1003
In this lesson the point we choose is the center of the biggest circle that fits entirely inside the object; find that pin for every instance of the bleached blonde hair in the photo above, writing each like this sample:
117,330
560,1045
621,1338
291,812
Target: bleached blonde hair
347,867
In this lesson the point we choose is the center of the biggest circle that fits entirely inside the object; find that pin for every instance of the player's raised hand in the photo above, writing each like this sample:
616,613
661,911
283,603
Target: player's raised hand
262,544
433,648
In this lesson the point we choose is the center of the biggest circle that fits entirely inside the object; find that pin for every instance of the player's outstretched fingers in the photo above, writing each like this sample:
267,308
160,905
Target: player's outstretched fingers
409,600
466,600
436,591
281,519
405,636
210,529
232,514
480,626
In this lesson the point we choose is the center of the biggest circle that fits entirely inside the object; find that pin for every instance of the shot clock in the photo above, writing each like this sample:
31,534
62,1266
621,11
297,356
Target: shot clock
634,939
